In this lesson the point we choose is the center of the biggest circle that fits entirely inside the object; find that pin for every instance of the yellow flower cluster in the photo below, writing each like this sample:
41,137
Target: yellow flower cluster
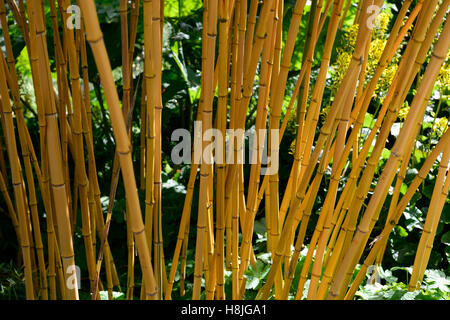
385,81
344,56
403,112
444,75
381,25
440,126
379,35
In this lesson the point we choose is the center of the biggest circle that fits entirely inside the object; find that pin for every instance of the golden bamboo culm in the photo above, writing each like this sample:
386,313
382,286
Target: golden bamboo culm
247,67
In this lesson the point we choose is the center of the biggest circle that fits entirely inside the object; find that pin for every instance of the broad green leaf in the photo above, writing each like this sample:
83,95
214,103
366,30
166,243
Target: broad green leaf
418,155
407,269
446,214
265,257
437,279
180,8
172,184
115,295
385,154
260,226
414,218
387,275
403,188
410,175
395,129
409,295
252,283
446,238
401,231
368,121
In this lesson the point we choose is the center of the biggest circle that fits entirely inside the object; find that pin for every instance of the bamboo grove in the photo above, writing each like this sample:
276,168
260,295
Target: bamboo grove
246,54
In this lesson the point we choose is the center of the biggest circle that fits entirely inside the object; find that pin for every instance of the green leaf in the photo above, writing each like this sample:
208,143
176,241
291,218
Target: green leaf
167,168
413,217
418,155
437,279
260,226
401,231
426,125
446,214
387,275
385,154
265,257
416,197
115,295
446,238
371,292
180,8
389,295
407,269
395,129
252,283
255,274
409,295
368,121
172,184
410,175
403,188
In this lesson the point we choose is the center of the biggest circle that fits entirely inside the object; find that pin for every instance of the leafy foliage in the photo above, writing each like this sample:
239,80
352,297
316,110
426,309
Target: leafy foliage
435,286
181,92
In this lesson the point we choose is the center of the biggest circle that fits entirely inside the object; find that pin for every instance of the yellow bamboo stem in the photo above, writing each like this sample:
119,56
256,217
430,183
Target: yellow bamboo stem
95,39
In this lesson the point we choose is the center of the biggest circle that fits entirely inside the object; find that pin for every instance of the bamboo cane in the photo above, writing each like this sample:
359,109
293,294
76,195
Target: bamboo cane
398,213
350,224
437,202
78,140
396,155
16,182
209,42
287,228
220,158
94,37
261,30
432,30
25,154
53,147
156,57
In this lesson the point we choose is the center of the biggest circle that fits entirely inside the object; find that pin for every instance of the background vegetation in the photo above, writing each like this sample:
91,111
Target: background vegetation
181,77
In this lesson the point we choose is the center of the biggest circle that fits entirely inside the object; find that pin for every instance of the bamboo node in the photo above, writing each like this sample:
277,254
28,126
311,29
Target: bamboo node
139,232
67,257
123,153
152,294
361,231
396,154
263,37
285,66
438,57
95,41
